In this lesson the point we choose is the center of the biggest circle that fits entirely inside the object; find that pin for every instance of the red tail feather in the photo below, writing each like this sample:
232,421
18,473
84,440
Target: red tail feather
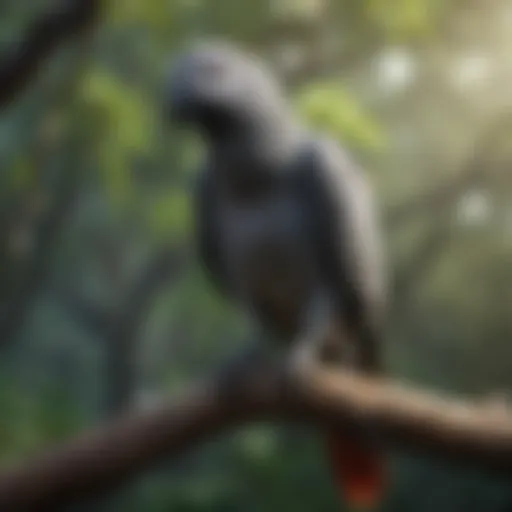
358,470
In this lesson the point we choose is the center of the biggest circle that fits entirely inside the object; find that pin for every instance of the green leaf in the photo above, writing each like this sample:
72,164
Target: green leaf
123,129
170,214
404,18
155,14
329,107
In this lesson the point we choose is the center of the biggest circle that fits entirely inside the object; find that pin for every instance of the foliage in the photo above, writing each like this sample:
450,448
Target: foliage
328,107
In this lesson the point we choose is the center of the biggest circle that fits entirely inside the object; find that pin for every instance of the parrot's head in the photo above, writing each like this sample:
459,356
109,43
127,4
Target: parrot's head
221,91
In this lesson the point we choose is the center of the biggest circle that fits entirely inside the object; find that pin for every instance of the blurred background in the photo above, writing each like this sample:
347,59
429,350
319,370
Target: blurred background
103,306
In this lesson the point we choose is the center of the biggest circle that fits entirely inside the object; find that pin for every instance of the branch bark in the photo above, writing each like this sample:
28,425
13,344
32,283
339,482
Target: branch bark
20,65
100,460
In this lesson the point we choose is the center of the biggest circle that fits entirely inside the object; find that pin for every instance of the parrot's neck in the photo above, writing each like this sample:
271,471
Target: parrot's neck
264,144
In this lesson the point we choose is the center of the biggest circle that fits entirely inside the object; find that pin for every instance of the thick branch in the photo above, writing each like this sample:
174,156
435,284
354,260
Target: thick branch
19,66
98,461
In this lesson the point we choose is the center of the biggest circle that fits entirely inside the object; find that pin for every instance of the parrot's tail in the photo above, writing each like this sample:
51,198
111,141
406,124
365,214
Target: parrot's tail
358,470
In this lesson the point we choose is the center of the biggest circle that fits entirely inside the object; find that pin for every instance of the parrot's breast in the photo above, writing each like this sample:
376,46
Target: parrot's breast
265,245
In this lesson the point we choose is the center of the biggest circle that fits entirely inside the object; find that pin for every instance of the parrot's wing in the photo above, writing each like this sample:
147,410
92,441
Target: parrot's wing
207,231
342,225
341,220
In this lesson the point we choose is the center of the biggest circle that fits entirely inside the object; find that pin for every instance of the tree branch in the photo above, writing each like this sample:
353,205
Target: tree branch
12,314
19,66
122,332
90,315
99,460
474,173
118,328
69,18
423,259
